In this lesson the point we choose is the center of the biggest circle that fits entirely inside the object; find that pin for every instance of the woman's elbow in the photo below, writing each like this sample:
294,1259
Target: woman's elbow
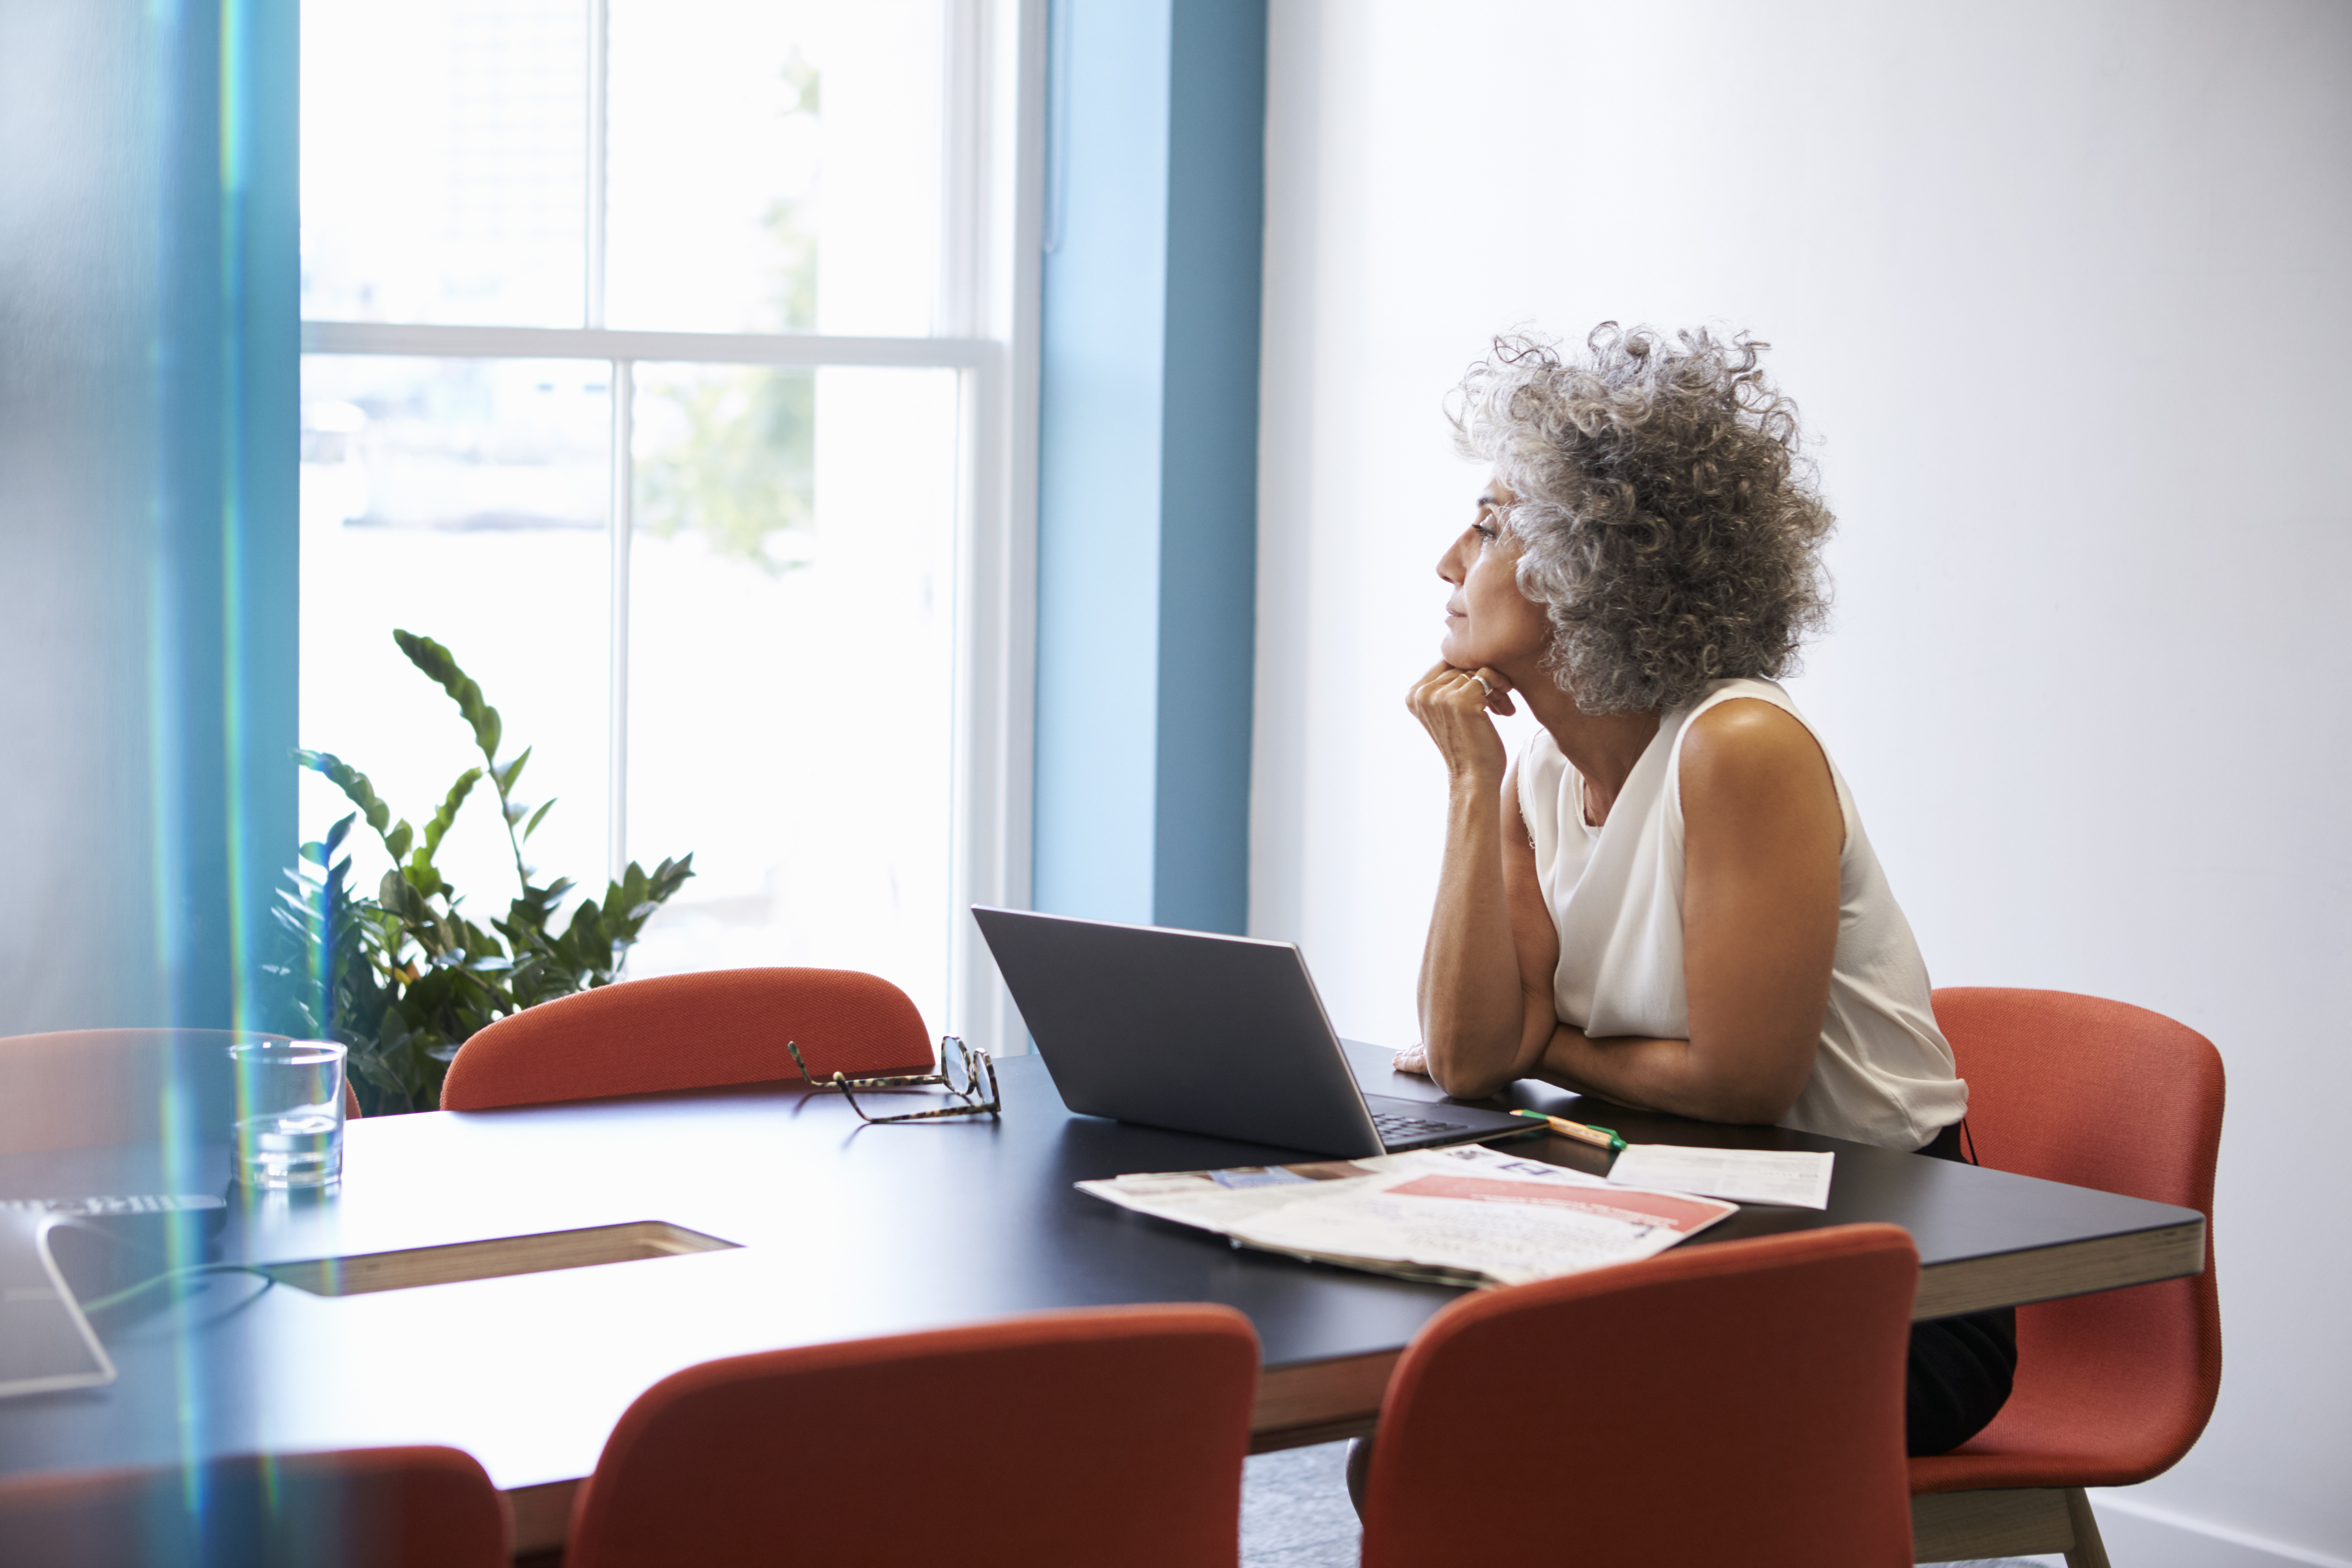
1759,1098
1466,1083
1751,1108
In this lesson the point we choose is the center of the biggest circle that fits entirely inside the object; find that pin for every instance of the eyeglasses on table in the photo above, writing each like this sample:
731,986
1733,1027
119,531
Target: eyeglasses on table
969,1076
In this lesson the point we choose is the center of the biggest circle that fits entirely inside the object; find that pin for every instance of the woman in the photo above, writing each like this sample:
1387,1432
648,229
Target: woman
1667,900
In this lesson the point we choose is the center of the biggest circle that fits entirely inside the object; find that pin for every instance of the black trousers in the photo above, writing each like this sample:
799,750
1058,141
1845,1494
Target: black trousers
1962,1367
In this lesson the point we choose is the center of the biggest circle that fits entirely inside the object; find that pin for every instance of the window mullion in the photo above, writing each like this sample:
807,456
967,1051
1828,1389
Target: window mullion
809,350
622,512
620,507
955,309
600,21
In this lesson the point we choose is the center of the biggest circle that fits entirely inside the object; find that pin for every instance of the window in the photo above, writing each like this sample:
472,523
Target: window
663,359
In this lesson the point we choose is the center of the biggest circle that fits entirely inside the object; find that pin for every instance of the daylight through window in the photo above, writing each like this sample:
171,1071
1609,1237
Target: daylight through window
642,371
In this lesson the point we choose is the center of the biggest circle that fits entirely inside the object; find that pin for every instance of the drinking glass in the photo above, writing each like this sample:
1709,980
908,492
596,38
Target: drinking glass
289,1113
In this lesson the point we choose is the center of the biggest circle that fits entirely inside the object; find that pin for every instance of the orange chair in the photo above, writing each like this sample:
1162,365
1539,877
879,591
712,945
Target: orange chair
689,1032
1087,1438
366,1508
2113,1387
1741,1402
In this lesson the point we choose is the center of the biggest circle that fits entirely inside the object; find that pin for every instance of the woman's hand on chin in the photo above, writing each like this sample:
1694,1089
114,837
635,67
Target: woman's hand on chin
1453,704
1413,1059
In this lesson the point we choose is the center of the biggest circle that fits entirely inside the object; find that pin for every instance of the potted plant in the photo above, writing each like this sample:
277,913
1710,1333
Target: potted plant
405,978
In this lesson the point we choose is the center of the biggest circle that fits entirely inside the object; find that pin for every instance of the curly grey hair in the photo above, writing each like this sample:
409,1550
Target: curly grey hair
1666,520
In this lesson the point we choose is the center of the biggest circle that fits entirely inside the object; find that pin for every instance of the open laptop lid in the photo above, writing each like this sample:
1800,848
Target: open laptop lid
1183,1030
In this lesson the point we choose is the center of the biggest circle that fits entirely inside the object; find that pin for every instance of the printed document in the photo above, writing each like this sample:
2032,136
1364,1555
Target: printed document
1465,1215
1796,1177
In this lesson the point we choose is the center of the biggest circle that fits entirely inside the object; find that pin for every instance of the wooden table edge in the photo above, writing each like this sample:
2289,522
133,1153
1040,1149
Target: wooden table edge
542,1515
2068,1269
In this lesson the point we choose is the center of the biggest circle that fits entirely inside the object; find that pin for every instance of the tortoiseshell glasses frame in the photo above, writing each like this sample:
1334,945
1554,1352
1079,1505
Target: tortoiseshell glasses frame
975,1087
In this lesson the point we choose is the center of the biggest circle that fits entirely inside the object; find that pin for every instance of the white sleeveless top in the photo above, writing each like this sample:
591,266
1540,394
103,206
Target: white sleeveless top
1883,1074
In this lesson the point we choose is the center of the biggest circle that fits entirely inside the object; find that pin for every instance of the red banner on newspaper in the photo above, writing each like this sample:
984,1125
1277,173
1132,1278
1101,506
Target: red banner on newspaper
1683,1214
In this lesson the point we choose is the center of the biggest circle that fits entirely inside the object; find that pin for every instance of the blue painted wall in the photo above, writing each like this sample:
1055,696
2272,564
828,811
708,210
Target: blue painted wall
149,431
1148,459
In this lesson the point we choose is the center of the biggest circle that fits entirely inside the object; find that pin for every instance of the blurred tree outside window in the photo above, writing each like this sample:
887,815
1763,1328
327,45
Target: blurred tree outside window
732,453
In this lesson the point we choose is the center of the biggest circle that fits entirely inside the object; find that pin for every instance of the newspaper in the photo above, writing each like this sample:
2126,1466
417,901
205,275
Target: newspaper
1460,1215
1799,1178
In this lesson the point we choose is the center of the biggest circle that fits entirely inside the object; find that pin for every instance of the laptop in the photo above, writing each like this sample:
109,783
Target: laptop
1202,1033
46,1342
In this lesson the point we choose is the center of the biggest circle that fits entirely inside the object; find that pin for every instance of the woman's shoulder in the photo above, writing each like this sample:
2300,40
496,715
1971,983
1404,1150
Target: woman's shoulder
1744,719
1747,738
1746,743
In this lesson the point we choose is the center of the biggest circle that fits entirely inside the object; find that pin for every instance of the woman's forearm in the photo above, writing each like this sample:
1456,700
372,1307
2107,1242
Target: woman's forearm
1672,1075
1472,1011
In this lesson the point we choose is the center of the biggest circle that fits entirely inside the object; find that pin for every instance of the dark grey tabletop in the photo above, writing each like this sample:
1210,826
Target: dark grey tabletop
840,1230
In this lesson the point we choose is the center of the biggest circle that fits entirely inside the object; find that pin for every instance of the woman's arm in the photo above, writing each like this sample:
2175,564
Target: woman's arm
1762,834
1483,1022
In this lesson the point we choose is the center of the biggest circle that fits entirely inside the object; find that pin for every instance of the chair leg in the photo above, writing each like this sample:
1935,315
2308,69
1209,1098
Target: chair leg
2088,1551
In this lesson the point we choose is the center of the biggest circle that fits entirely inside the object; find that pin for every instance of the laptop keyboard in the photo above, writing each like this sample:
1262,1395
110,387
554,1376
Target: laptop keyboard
1394,1127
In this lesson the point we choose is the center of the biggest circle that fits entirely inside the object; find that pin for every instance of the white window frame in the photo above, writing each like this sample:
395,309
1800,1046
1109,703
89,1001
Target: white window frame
985,330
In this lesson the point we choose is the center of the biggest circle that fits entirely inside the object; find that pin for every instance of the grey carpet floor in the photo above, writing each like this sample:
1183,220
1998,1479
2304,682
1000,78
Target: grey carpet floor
1296,1514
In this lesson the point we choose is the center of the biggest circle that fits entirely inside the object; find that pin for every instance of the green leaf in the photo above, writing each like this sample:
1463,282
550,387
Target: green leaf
441,666
444,819
422,874
536,818
398,898
397,841
370,1060
512,771
335,834
352,782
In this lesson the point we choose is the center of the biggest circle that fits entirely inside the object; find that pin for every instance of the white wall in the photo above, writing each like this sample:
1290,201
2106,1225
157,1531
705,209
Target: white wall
2061,290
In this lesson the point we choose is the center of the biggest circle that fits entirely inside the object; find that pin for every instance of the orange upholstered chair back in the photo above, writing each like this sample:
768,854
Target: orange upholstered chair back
689,1031
1741,1402
2102,1094
366,1508
1113,1435
85,1087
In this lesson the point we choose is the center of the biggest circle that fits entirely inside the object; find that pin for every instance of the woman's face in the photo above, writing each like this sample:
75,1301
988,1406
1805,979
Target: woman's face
1488,621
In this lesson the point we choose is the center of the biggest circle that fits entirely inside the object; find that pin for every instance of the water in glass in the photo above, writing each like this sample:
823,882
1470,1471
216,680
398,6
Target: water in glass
301,1147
